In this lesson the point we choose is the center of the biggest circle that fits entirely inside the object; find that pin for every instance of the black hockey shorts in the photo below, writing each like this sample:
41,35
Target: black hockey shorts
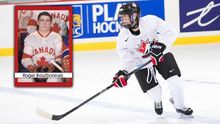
147,79
168,67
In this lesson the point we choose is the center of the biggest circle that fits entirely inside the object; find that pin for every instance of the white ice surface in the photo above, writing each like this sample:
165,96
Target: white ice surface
200,66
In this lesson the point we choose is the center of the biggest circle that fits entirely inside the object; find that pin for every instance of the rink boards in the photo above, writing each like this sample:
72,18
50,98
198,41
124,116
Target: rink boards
197,23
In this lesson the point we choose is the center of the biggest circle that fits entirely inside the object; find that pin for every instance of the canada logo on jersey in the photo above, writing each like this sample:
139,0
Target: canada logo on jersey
77,21
42,61
143,46
44,50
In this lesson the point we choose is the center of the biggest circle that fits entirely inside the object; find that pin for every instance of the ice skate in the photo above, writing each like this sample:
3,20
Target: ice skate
158,107
184,111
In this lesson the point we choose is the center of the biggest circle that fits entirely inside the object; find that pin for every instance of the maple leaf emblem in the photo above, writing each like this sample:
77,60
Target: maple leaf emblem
142,47
56,28
42,61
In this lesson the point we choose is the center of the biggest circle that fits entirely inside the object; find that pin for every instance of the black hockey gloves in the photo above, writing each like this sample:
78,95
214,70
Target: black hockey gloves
120,78
157,50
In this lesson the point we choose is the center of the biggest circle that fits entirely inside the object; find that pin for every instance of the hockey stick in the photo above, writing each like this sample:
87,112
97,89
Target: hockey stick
56,65
58,117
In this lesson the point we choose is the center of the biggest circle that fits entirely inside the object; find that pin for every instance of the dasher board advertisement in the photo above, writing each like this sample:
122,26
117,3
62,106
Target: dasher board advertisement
95,20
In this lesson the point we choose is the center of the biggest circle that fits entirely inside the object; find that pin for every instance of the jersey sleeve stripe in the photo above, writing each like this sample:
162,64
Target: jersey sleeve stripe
26,55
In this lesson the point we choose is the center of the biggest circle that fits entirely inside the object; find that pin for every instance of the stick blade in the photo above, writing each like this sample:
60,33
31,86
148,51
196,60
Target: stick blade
43,113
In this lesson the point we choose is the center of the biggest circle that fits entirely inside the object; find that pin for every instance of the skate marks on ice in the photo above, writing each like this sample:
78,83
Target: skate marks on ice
202,82
144,114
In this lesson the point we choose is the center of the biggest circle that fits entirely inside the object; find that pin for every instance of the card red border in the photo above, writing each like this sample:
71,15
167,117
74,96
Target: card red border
42,7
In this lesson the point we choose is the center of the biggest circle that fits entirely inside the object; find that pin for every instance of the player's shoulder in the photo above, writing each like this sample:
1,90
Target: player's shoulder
149,18
149,22
31,35
55,35
123,33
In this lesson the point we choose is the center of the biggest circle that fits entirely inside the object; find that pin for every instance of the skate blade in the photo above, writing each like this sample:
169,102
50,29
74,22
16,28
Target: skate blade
182,116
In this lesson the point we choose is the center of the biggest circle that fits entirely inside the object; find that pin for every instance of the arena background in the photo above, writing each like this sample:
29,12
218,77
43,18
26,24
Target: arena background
96,16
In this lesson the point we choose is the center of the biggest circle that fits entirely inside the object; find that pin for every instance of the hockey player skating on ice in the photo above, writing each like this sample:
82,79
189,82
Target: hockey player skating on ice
142,39
41,47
